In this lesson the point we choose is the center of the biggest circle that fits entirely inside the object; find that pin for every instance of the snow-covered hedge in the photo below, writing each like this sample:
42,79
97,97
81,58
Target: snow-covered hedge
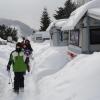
3,42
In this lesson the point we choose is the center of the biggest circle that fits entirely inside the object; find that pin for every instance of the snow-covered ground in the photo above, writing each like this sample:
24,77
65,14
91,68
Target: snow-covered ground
78,80
53,76
47,60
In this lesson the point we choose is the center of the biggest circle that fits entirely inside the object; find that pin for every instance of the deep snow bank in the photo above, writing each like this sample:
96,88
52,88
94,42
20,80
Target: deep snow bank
78,80
48,60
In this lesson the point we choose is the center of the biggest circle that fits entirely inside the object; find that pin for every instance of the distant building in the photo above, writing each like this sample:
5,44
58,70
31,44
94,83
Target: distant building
41,36
57,36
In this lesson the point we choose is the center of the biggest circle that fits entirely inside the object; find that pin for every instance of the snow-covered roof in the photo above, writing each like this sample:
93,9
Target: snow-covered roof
50,26
46,35
37,33
58,23
79,13
94,13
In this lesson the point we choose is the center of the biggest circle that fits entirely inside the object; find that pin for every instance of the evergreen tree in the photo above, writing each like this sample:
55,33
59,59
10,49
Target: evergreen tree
45,20
6,31
2,31
59,13
64,12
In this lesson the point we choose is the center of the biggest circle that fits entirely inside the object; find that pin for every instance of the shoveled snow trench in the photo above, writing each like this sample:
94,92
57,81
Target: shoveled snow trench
42,54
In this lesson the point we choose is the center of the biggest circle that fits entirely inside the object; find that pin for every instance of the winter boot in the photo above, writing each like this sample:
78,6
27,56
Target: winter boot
16,91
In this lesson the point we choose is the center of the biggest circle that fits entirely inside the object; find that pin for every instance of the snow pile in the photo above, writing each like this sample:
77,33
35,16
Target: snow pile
48,59
56,80
79,80
2,39
3,42
6,91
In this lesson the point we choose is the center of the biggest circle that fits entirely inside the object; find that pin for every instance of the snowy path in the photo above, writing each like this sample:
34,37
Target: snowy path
47,60
29,91
6,92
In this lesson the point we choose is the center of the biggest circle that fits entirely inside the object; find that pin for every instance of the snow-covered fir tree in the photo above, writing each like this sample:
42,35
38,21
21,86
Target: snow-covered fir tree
45,20
6,31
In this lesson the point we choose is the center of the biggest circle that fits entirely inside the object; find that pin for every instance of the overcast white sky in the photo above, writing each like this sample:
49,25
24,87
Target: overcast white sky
28,11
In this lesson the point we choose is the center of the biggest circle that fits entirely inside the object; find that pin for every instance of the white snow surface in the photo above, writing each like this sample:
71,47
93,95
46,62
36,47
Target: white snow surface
57,23
47,60
94,13
2,39
53,76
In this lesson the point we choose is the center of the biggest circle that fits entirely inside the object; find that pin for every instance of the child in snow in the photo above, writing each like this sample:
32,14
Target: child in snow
18,60
28,52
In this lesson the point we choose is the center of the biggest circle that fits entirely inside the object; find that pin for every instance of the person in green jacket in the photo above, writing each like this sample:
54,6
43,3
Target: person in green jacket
19,63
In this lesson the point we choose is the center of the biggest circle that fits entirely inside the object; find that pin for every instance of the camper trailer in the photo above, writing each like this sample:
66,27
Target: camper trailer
57,36
84,29
41,36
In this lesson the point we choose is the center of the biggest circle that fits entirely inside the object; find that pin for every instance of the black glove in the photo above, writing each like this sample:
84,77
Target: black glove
8,68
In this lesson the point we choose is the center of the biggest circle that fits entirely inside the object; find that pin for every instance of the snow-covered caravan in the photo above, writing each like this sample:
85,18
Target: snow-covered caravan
41,36
57,36
45,35
84,29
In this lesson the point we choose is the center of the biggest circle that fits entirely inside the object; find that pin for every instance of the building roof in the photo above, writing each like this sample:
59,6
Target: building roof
57,23
79,13
50,26
94,13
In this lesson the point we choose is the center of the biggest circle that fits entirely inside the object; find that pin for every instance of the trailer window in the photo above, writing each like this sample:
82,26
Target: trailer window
38,38
74,37
95,36
63,36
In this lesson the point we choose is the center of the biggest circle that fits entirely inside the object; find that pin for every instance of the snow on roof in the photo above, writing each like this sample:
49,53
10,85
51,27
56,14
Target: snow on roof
79,13
50,26
37,33
94,13
46,35
60,23
57,23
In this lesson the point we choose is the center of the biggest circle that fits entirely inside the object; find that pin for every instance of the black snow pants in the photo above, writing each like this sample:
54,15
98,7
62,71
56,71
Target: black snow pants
18,80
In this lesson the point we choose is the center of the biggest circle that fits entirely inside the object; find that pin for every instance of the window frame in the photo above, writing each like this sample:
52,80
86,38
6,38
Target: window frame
93,40
73,39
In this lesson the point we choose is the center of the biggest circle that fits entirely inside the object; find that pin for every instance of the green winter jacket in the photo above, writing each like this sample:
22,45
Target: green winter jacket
18,61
